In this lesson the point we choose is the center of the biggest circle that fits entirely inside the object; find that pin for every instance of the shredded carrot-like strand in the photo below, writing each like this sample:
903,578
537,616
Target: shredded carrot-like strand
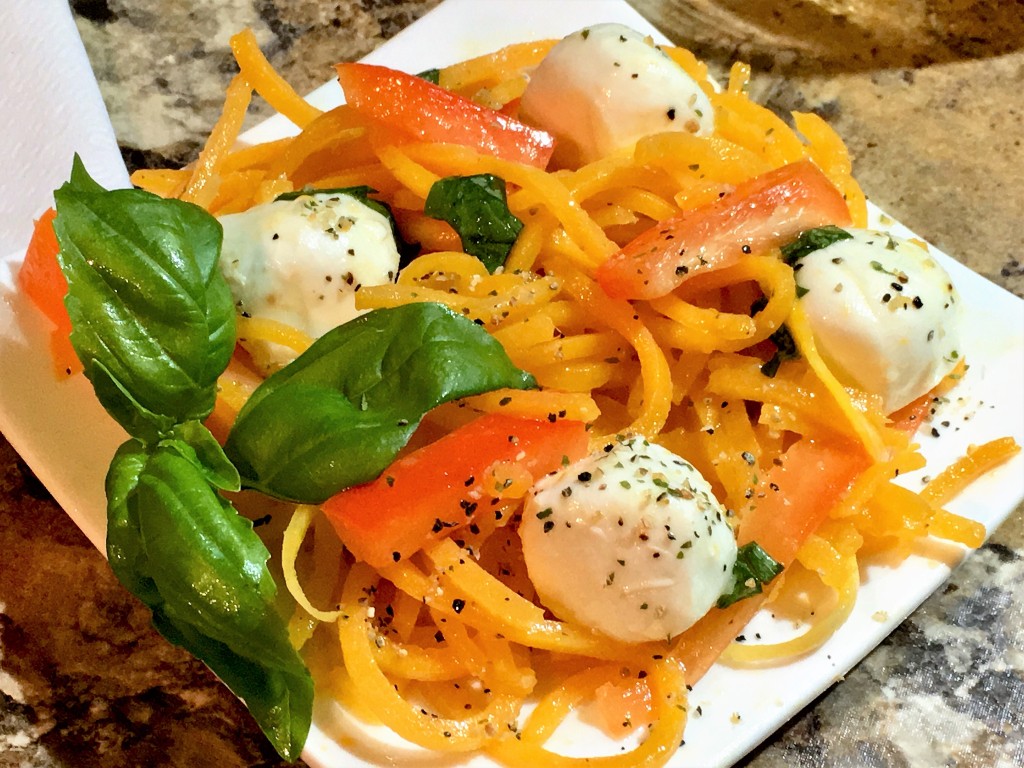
267,83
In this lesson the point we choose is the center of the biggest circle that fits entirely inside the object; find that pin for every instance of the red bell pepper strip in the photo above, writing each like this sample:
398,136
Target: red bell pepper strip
764,212
420,110
791,502
41,279
441,487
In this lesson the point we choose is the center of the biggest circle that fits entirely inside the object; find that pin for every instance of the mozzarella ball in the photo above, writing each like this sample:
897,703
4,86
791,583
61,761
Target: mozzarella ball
629,541
603,88
301,261
884,314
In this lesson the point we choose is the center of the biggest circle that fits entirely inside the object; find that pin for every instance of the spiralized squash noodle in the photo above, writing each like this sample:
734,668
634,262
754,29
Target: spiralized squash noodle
683,370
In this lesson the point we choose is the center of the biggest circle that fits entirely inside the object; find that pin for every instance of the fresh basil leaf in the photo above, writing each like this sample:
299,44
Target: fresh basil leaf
813,240
431,75
407,251
753,568
153,320
307,441
122,405
339,414
477,208
200,568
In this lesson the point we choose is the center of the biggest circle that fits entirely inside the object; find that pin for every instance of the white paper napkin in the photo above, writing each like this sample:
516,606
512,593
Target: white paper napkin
50,108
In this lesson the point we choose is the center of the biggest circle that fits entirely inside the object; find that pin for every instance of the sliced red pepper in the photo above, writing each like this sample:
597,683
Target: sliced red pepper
791,502
41,279
441,487
421,110
796,494
764,212
40,276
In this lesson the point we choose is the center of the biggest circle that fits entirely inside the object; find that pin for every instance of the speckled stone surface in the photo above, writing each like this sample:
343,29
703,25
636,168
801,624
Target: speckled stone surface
928,96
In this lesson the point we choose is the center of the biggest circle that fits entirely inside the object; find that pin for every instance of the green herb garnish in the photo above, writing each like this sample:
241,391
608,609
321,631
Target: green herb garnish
477,208
813,240
431,75
785,345
752,570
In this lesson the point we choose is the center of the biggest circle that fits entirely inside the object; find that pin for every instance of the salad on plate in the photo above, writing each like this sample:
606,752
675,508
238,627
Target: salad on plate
481,415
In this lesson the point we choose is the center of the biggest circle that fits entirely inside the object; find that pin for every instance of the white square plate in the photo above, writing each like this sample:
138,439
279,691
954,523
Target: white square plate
64,435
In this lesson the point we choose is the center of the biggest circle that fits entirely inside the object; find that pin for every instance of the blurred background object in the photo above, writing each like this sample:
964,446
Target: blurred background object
842,35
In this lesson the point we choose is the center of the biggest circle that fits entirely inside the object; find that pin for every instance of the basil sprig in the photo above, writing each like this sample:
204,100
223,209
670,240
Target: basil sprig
477,208
752,570
338,414
153,324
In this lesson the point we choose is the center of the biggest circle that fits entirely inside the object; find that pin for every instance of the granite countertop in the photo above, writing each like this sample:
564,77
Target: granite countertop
927,97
